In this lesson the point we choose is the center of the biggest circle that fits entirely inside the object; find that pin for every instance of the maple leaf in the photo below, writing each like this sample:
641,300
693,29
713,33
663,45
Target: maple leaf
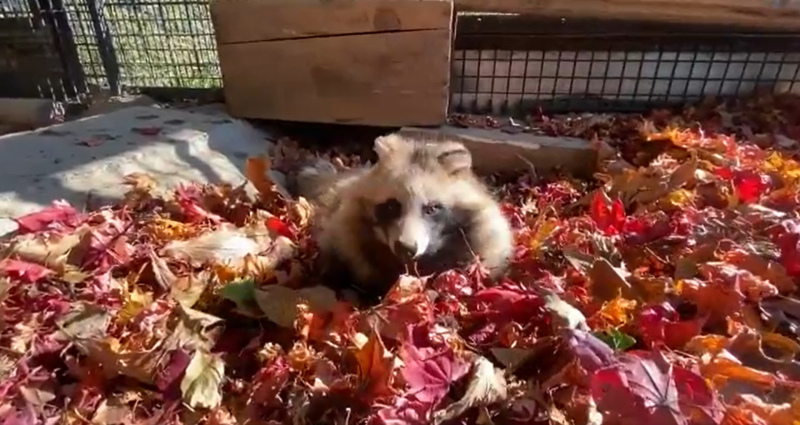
52,251
788,240
608,216
84,321
23,270
613,314
201,383
430,373
375,366
169,373
280,227
269,381
405,411
59,212
660,324
638,390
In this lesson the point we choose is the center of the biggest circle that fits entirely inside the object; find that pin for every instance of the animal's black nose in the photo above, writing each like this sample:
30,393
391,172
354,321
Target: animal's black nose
405,251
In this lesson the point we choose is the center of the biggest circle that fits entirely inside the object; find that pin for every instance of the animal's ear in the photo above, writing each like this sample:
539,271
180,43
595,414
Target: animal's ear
385,145
454,157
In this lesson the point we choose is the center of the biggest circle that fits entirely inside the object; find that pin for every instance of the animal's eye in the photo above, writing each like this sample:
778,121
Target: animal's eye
432,208
388,210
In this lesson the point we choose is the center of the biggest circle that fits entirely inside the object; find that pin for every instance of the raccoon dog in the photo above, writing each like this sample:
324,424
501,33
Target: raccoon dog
419,204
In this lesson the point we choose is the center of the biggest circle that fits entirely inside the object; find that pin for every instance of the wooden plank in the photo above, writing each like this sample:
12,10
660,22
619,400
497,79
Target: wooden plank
240,21
383,79
369,62
756,14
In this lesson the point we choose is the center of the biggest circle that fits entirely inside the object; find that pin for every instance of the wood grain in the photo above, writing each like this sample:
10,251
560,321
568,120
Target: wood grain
371,62
384,79
757,14
240,21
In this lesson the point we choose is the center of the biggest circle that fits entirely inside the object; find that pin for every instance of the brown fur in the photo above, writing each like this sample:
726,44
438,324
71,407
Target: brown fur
413,172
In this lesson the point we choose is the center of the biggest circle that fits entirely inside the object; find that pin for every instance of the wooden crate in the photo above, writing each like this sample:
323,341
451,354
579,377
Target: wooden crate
367,62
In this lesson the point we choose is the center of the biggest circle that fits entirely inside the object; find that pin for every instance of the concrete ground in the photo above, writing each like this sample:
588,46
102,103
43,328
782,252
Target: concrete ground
87,159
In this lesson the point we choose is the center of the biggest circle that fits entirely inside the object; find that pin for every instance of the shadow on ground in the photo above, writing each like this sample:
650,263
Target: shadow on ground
86,160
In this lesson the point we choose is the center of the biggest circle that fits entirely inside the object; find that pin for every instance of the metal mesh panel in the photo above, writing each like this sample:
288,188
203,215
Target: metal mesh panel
37,56
162,43
86,41
146,43
561,67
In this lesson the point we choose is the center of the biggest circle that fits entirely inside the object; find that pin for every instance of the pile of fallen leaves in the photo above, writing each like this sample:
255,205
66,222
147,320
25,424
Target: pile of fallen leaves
663,292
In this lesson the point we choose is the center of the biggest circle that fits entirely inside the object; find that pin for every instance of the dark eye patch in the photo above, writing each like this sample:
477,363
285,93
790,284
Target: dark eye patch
388,210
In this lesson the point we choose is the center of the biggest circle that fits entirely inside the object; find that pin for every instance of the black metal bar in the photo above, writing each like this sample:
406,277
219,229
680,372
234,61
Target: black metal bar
55,17
105,45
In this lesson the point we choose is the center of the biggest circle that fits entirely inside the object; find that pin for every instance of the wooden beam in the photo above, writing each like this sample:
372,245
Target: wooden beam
755,14
376,62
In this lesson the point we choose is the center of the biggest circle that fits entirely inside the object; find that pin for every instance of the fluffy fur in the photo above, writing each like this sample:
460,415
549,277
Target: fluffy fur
419,205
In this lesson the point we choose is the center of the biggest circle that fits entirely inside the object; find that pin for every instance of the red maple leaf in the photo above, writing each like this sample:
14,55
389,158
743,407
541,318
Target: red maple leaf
608,218
645,388
660,324
280,227
788,240
39,220
638,390
429,372
24,270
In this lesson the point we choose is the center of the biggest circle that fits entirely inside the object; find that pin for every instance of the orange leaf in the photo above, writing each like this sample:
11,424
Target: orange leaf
724,366
257,170
615,313
375,366
772,414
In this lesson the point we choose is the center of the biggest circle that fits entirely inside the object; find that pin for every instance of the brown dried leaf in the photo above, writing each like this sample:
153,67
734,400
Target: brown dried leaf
609,282
279,303
486,386
84,321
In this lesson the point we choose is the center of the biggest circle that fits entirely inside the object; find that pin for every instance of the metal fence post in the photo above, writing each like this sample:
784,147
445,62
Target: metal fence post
105,45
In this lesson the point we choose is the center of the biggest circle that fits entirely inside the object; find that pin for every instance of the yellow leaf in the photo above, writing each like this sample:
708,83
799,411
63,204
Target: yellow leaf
201,383
679,198
543,231
787,168
165,229
135,302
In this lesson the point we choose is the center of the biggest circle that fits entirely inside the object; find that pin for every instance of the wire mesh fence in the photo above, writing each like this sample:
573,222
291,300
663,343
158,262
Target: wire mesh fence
501,64
505,65
147,43
36,56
